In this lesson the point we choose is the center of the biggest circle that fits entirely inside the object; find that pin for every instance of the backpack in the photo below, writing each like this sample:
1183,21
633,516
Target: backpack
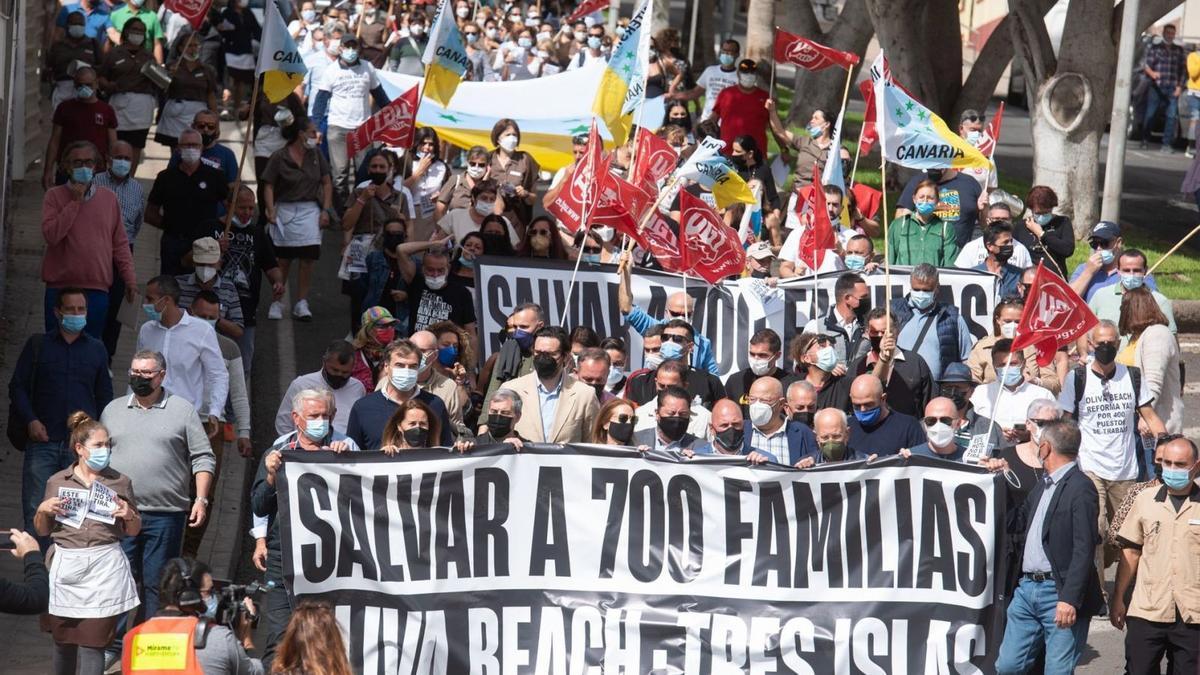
1080,374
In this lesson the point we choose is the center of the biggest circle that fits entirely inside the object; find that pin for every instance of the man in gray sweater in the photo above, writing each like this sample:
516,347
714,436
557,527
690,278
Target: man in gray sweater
159,442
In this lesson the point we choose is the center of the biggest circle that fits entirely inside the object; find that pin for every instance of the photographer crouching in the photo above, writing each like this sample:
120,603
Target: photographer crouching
215,624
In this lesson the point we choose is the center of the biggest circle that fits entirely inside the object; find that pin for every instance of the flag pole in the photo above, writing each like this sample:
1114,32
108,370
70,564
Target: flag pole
587,228
774,38
237,185
857,152
842,119
887,259
1173,249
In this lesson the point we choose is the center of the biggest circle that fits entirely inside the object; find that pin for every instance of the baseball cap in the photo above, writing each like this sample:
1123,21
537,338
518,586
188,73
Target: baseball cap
1106,230
377,315
760,251
955,373
206,251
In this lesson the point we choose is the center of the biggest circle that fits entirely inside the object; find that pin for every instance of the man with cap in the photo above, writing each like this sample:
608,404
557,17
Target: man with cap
759,257
206,258
958,385
970,128
1100,270
742,109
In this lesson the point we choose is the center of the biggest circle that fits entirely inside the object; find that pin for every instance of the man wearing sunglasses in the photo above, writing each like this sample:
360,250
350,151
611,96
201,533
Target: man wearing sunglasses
941,420
1101,269
678,340
679,306
970,127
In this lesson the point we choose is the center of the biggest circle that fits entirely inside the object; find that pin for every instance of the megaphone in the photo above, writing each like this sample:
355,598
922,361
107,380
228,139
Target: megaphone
1012,201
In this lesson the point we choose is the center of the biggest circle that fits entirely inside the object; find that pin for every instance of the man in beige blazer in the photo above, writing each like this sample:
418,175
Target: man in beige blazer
557,407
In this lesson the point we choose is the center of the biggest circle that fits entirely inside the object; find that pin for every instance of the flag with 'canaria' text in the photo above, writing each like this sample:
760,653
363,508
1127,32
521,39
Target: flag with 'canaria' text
279,62
445,57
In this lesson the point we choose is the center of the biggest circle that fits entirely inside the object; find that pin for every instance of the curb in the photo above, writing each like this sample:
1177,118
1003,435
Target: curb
1187,315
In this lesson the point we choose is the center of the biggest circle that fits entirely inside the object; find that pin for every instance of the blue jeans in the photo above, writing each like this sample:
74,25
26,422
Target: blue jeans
1154,98
160,540
97,311
42,460
1031,624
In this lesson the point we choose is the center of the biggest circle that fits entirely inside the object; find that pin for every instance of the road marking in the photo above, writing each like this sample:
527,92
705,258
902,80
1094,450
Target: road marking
1190,346
1191,388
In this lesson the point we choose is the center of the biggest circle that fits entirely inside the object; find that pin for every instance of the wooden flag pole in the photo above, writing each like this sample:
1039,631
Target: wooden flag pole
237,185
771,91
887,264
179,56
571,286
857,152
1173,249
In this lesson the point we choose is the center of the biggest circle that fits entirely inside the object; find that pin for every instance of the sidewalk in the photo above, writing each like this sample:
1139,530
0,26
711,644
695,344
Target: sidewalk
27,649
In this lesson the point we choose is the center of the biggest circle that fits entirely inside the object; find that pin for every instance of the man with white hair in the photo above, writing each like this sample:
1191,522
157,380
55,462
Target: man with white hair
312,415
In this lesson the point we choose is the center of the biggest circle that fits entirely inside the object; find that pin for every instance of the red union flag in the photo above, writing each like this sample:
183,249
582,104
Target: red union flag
1054,316
585,8
661,238
870,135
619,203
393,125
576,201
654,159
710,247
192,10
991,135
809,55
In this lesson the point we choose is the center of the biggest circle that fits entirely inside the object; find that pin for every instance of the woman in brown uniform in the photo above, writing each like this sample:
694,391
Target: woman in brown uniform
62,55
516,171
132,95
87,510
194,87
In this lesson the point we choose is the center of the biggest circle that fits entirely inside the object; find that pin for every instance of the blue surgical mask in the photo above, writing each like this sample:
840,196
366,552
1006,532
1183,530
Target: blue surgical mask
921,299
316,430
671,351
404,379
593,42
973,137
74,323
468,263
448,355
925,208
814,131
868,417
1132,281
524,43
827,358
1043,218
210,607
84,91
726,59
855,262
151,312
211,322
98,458
472,38
1176,479
591,258
81,174
349,55
1011,376
1106,256
308,15
121,167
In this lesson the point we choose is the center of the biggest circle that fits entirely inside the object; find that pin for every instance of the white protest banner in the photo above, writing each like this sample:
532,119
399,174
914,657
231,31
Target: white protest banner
74,506
102,503
724,312
578,558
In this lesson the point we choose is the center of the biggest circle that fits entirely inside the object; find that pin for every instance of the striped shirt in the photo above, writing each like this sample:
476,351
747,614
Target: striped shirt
131,199
231,305
774,445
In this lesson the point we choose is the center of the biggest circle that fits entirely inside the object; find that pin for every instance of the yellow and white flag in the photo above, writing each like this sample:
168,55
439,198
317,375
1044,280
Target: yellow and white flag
445,57
279,62
623,86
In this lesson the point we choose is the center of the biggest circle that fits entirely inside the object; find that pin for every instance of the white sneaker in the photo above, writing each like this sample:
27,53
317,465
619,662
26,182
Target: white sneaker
276,311
301,312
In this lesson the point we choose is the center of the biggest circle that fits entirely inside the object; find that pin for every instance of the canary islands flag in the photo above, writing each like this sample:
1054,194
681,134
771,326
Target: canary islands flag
727,186
445,57
623,85
279,62
911,135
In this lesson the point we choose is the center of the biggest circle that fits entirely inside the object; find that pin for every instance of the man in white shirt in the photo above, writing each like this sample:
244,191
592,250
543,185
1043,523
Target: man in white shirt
343,103
974,252
673,374
317,61
189,346
714,78
790,262
1007,399
593,49
334,375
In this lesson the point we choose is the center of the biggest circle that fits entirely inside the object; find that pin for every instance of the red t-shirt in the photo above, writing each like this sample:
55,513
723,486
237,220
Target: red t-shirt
82,121
742,113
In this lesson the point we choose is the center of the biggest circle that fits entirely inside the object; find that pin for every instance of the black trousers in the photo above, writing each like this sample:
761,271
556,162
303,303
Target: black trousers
278,613
1147,641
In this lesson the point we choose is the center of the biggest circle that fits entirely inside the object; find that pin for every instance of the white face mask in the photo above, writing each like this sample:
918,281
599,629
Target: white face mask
404,379
462,12
475,171
747,80
189,155
606,233
940,435
652,361
508,142
761,367
205,274
761,414
435,283
311,143
1008,329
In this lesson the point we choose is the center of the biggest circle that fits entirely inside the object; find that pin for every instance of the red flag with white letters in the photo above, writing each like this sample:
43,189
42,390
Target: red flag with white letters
709,247
192,10
393,125
577,200
654,159
809,55
1054,316
585,8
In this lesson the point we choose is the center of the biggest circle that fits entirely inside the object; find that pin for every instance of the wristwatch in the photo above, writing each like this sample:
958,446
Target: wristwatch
203,500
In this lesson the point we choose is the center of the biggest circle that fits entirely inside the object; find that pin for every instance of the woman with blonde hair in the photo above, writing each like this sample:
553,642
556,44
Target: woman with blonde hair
312,643
413,425
88,509
614,423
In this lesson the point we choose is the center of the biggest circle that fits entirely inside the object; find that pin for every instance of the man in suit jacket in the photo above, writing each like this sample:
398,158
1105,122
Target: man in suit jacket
769,433
1059,590
557,407
673,416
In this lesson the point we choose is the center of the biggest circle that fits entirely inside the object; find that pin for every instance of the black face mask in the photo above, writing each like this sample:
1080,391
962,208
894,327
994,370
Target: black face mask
335,381
391,241
739,161
1106,353
805,418
935,175
142,386
672,428
545,365
1003,255
731,438
416,437
863,308
208,139
377,178
622,432
760,275
499,426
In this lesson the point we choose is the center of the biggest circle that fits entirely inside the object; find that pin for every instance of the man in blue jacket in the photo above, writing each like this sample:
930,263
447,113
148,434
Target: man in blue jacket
679,306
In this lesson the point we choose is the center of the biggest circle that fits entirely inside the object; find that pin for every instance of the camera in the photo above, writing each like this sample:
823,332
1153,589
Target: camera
507,190
229,604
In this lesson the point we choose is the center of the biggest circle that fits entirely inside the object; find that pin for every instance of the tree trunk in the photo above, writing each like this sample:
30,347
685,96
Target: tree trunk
706,28
924,49
851,32
760,30
660,18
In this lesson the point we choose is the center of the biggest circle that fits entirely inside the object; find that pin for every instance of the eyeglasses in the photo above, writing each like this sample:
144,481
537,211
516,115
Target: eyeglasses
756,399
144,373
930,421
972,118
82,162
205,127
622,419
677,339
481,165
591,249
1042,422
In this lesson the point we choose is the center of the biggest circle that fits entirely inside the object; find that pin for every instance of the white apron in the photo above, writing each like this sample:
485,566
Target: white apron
91,583
177,115
268,141
63,90
296,224
134,111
